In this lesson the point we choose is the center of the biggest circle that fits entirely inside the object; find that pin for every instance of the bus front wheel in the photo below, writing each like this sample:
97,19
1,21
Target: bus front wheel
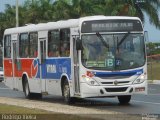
124,99
66,93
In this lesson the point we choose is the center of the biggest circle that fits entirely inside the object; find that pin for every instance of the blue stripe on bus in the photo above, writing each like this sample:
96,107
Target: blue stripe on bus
124,73
54,68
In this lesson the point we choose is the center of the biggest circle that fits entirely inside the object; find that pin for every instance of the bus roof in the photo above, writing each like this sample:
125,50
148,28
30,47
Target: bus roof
62,24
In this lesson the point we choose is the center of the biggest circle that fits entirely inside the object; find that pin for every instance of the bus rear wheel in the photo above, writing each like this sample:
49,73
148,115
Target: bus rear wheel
26,89
124,99
66,93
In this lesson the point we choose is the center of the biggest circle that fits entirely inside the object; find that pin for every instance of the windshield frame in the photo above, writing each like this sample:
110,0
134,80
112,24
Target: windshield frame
116,33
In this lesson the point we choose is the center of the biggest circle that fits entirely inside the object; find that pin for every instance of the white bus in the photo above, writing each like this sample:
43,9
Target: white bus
94,56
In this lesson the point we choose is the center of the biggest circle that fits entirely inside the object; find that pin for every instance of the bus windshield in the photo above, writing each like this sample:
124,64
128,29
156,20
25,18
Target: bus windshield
113,51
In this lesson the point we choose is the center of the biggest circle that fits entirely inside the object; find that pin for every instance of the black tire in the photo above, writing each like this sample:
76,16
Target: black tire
66,93
124,99
36,95
28,94
26,89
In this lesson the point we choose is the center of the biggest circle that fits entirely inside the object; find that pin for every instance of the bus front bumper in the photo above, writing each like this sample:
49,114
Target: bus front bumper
108,91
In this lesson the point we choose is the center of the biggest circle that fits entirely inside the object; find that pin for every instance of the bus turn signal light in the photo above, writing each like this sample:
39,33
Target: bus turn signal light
90,74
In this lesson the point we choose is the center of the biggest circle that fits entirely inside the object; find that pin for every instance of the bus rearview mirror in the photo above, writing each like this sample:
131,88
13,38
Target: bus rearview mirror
146,36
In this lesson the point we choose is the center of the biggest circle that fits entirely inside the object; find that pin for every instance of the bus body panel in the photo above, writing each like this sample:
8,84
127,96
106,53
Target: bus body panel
95,91
46,75
124,86
53,69
8,67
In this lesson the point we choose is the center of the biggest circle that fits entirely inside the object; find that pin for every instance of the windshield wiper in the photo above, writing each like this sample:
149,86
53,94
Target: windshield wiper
122,40
102,40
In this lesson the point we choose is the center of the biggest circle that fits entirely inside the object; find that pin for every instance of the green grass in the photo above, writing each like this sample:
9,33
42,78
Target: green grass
154,70
19,110
22,113
36,114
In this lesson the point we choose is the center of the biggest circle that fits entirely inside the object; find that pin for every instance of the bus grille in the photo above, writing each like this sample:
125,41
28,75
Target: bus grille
115,77
119,82
122,89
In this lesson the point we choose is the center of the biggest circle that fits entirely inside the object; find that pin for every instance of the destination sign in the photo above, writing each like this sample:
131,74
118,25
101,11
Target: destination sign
111,26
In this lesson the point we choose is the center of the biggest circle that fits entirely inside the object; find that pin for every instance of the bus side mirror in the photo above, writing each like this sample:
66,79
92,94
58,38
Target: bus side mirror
78,44
146,36
148,51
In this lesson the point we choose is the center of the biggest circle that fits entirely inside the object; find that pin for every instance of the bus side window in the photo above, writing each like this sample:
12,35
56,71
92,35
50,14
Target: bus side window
65,42
53,43
7,46
33,46
24,45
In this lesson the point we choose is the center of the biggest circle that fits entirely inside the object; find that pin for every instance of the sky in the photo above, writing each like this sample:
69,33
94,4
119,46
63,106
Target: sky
153,33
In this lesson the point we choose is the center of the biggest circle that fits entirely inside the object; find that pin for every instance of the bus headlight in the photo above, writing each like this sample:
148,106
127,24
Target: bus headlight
140,79
91,81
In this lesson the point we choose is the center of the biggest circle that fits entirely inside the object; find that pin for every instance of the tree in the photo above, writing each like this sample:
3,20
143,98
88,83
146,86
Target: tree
69,9
153,48
36,11
65,9
7,20
2,25
39,11
133,8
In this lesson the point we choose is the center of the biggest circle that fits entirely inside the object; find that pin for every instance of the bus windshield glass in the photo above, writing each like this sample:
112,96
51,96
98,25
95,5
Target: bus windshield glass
113,51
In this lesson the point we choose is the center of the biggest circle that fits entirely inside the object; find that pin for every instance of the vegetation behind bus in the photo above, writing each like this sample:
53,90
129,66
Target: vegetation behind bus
36,11
153,53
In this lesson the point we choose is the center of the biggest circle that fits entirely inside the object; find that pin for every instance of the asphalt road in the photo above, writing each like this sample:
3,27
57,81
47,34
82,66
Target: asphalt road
140,104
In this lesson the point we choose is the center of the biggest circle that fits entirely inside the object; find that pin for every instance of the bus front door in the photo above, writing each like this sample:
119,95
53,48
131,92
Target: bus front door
42,60
76,68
